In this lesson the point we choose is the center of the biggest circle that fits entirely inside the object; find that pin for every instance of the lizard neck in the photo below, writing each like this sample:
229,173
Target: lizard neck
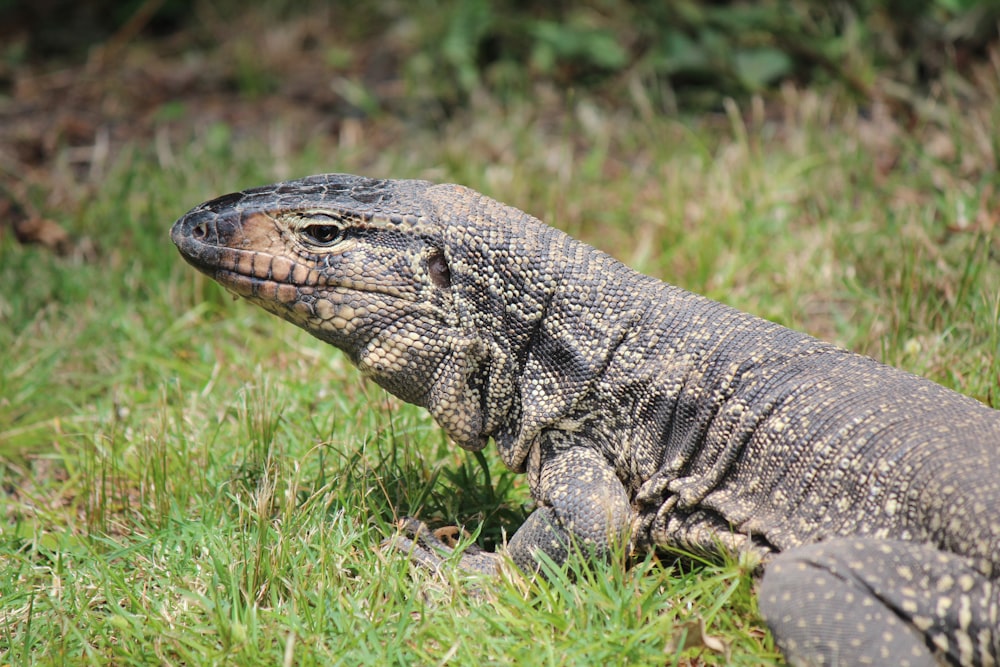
550,312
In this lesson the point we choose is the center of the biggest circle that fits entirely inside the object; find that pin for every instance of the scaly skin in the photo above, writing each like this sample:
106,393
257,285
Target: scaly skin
643,412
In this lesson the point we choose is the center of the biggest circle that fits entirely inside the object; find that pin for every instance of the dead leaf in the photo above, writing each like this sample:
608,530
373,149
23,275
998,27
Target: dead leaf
449,535
44,232
691,634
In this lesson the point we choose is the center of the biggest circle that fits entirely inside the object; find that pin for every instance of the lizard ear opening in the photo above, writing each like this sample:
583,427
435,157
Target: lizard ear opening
437,266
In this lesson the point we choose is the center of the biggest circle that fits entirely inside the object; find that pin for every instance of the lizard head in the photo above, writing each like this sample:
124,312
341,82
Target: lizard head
360,264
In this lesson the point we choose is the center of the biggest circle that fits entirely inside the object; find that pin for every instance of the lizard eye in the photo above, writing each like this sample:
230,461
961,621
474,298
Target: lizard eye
322,231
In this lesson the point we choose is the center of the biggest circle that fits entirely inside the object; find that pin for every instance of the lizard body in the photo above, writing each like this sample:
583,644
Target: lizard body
644,412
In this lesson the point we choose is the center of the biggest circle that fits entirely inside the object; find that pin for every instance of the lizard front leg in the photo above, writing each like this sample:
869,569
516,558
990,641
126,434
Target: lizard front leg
582,505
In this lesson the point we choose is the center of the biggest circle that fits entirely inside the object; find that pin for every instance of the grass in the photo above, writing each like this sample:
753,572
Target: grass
187,480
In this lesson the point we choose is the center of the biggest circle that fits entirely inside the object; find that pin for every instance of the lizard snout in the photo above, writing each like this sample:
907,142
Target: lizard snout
204,227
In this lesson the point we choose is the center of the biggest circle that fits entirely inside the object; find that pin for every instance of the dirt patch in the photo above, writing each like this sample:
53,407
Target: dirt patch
63,122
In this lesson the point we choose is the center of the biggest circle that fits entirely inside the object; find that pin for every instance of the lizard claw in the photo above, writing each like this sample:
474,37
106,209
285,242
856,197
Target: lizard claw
432,549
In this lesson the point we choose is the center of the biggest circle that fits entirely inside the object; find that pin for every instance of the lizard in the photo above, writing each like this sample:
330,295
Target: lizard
644,414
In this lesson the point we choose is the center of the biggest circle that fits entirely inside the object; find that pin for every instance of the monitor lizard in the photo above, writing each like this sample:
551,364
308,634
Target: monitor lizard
642,412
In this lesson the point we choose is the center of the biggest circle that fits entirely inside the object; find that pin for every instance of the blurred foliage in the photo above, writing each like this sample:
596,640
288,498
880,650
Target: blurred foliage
700,49
687,51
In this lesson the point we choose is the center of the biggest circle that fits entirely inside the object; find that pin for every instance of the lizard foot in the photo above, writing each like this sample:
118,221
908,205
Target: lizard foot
432,549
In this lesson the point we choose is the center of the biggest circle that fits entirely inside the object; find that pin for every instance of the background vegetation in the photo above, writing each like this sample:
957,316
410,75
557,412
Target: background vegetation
184,479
